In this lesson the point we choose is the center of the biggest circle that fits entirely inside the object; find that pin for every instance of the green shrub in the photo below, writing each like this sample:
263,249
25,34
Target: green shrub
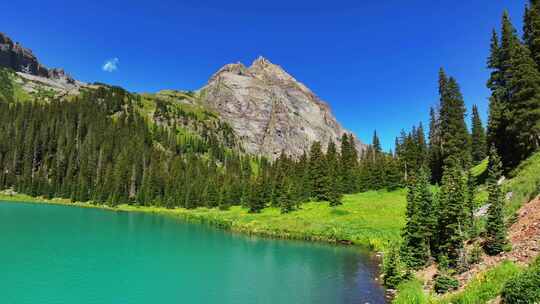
393,267
524,288
445,283
475,255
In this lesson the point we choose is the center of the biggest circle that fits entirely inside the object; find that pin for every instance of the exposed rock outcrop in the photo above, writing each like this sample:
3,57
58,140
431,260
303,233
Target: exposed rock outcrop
270,110
15,56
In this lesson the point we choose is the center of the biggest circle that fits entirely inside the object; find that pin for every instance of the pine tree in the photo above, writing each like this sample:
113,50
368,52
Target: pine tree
392,173
495,226
435,155
304,181
514,115
376,143
375,164
454,134
393,268
332,171
421,148
496,123
348,164
478,137
288,199
212,195
531,30
255,199
524,106
318,173
452,213
417,232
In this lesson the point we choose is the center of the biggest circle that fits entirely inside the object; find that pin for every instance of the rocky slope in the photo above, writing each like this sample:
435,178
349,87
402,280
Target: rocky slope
13,55
270,110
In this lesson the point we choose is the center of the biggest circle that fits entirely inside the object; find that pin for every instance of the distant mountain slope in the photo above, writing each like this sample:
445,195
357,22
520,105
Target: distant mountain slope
268,110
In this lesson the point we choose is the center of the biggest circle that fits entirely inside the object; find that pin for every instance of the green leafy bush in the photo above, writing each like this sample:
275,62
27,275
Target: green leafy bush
524,288
445,283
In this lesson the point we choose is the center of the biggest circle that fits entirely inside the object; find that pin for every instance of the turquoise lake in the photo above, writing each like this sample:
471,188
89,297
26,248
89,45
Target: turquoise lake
60,254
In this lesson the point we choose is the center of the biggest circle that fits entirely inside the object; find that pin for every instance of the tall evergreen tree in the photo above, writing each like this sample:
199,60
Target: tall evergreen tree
454,134
348,164
531,30
418,230
524,106
255,200
318,173
478,138
452,213
393,176
435,154
495,227
376,143
288,198
514,119
334,178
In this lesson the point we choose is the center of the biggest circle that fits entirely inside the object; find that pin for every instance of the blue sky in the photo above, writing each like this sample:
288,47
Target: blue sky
375,62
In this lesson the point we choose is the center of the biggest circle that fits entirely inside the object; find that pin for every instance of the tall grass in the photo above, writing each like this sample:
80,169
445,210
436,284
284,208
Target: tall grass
411,292
485,286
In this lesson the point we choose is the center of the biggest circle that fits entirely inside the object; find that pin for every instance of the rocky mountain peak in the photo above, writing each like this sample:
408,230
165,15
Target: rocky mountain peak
270,110
261,61
265,70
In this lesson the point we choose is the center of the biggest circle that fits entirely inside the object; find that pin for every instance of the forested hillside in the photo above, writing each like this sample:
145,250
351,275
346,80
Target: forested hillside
466,221
107,145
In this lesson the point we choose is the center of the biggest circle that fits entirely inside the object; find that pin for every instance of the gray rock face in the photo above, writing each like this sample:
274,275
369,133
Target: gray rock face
16,57
270,110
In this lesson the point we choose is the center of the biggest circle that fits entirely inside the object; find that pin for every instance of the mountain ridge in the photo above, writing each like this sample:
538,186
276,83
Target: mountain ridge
269,110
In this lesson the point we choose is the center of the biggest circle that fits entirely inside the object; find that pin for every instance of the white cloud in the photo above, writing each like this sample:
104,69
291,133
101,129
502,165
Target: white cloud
111,65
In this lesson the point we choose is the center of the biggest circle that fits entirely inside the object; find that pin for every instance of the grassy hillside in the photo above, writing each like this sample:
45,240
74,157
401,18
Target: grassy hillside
370,218
524,183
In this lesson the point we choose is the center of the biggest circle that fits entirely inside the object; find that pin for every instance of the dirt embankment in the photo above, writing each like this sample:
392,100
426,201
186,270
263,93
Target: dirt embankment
524,235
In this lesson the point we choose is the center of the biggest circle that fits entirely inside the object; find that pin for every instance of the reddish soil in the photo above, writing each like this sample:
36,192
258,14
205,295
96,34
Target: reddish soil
524,236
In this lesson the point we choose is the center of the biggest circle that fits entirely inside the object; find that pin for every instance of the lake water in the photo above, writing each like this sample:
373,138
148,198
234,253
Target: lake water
60,254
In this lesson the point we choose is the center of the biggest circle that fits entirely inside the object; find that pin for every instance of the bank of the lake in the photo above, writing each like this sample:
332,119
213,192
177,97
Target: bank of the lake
368,219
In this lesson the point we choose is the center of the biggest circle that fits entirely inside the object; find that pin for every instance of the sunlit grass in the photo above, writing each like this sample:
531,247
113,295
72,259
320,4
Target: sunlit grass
485,286
411,292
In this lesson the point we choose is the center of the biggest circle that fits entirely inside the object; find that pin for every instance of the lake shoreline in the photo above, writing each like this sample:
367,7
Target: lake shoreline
189,216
